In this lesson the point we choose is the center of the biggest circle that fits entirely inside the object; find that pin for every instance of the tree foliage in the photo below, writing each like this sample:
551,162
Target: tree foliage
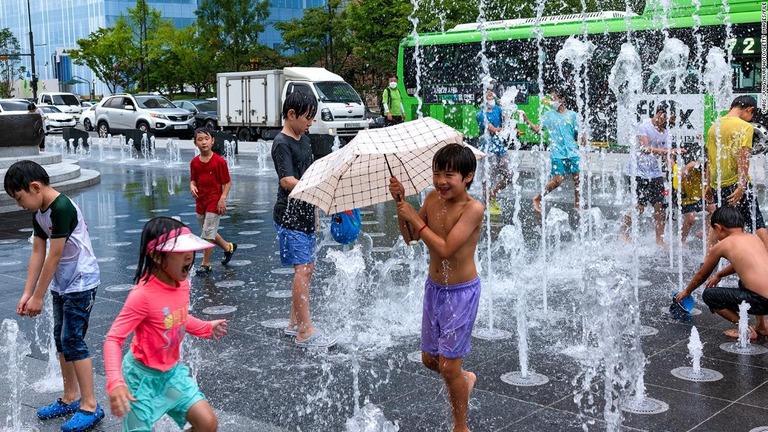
10,65
232,29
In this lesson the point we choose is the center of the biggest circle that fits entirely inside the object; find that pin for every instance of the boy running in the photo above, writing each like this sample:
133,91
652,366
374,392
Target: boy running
449,224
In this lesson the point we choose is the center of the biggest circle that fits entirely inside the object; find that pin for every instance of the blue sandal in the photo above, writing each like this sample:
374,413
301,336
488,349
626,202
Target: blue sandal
57,409
83,420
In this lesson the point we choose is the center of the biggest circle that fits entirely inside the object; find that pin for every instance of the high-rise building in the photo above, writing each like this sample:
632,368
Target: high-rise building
57,25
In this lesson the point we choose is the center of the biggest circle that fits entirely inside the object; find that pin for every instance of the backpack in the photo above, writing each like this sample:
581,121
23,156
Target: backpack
389,101
345,226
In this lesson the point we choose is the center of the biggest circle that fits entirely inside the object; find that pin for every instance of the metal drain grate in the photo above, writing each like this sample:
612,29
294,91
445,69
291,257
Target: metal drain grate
733,347
702,375
219,310
280,294
759,429
647,331
118,288
644,406
517,379
279,323
491,334
415,356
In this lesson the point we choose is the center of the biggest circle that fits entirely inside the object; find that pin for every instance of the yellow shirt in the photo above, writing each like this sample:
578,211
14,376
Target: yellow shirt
735,133
691,192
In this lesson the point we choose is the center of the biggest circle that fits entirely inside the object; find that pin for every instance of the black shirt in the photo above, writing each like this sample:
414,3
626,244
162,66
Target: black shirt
291,159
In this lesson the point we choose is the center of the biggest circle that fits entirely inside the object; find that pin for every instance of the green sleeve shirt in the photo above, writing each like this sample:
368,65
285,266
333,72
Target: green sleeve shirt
394,103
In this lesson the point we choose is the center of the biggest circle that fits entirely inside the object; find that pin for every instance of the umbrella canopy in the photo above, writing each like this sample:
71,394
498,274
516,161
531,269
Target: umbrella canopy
358,174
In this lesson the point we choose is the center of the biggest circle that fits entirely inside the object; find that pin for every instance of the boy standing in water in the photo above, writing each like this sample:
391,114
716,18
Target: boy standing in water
449,224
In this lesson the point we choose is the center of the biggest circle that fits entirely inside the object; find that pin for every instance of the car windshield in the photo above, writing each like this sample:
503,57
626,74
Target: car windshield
13,105
65,99
49,109
205,106
154,102
336,91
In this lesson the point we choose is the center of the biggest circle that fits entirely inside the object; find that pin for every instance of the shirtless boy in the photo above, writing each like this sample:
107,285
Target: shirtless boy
748,259
449,224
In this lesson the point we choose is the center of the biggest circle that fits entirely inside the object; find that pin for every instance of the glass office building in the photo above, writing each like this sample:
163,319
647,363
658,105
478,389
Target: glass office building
58,24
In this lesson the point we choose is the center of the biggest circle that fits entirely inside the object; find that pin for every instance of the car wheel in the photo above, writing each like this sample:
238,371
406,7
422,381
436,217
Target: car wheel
210,124
87,124
244,134
143,127
102,129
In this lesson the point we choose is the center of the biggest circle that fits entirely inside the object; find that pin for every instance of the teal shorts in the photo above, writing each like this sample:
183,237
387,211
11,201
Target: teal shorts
158,393
561,167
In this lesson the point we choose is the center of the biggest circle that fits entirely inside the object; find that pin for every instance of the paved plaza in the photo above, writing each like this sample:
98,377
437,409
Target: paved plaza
369,297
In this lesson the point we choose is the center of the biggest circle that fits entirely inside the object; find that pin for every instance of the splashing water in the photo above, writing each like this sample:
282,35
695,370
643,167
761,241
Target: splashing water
695,349
13,349
671,67
718,78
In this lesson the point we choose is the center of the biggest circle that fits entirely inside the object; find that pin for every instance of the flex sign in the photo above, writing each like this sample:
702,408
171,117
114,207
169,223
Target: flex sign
688,110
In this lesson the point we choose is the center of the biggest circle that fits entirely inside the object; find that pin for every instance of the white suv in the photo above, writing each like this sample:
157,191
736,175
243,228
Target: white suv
147,113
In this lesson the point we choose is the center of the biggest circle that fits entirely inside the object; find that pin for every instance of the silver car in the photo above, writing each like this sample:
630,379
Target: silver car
147,113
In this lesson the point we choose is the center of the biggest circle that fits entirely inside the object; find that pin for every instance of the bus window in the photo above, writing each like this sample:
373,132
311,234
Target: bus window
746,76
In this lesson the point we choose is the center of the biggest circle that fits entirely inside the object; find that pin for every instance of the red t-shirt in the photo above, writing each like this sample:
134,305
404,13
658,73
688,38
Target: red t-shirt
209,177
157,315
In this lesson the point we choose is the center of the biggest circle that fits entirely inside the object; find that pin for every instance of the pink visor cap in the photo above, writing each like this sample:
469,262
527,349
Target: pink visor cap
178,240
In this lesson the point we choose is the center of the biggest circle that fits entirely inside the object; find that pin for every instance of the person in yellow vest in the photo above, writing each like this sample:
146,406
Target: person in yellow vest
689,181
392,102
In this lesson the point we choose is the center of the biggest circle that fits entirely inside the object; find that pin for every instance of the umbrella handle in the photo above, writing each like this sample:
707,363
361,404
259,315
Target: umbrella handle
411,241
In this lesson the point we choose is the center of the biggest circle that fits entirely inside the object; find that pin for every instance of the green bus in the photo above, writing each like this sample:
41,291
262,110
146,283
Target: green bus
450,68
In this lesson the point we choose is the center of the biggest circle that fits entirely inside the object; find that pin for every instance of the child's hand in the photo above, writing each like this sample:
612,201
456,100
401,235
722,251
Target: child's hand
396,188
713,281
218,328
193,189
34,306
681,295
221,207
406,212
120,401
21,306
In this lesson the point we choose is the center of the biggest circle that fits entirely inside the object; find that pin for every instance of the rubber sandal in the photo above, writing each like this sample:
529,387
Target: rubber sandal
291,331
228,254
204,270
317,340
83,420
57,409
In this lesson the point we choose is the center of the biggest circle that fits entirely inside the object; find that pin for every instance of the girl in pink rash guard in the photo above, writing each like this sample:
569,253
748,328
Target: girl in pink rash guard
150,382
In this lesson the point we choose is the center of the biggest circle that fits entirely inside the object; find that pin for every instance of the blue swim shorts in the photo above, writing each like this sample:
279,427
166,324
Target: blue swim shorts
565,166
158,393
296,247
71,312
448,317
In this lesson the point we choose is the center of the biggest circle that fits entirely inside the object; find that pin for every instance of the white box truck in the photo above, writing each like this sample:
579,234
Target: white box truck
250,104
66,102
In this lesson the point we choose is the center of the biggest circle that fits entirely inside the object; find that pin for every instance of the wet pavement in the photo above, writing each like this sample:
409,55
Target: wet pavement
369,297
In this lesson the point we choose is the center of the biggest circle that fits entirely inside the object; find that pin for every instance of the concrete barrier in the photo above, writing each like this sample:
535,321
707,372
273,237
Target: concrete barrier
20,134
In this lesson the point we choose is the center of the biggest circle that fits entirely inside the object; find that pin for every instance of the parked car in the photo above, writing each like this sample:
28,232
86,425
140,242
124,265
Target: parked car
13,105
66,102
88,117
375,120
55,120
145,112
205,112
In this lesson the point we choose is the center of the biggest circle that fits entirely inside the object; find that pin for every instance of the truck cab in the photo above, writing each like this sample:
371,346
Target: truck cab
66,102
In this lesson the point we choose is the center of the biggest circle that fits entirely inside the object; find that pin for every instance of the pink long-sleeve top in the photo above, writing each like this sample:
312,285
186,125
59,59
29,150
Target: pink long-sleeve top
157,314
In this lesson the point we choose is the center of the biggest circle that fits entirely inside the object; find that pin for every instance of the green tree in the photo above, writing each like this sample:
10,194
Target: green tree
10,62
321,37
146,23
232,27
108,53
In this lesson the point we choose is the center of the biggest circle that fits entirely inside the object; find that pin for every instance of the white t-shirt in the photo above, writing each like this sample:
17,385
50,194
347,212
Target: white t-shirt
649,166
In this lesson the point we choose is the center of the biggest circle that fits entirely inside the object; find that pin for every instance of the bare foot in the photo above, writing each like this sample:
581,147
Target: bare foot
625,236
734,333
537,203
699,234
471,379
662,244
684,245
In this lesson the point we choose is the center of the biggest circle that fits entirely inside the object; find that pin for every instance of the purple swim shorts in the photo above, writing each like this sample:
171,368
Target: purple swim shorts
448,317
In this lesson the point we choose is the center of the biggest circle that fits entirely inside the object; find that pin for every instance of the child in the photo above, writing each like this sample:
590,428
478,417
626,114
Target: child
748,258
691,189
449,224
152,382
71,270
490,121
209,183
563,126
294,219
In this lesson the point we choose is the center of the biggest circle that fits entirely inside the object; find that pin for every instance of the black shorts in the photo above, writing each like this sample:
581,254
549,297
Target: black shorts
744,206
730,298
650,191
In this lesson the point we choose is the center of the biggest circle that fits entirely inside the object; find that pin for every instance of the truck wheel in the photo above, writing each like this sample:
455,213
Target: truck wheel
244,134
102,129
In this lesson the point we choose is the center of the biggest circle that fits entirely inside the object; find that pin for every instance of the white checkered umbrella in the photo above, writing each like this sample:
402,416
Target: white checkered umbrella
358,174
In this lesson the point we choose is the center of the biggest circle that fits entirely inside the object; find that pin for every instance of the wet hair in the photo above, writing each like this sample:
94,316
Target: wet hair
727,217
455,157
744,102
302,104
153,229
662,107
562,95
31,106
21,174
202,130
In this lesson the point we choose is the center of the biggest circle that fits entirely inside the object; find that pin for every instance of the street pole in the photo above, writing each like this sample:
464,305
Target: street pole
32,54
